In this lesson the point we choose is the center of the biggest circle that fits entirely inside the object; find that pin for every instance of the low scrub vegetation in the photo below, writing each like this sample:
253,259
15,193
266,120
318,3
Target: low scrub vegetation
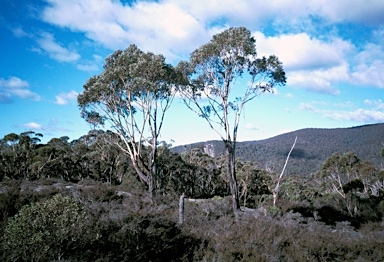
96,222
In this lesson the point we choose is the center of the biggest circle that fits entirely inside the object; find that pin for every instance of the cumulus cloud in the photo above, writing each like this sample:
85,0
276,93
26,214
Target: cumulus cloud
155,26
48,44
369,66
175,28
64,98
303,52
15,87
311,63
316,65
174,24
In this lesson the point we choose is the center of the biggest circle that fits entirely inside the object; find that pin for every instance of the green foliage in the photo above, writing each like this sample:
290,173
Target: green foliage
91,156
46,230
253,181
346,180
16,153
194,173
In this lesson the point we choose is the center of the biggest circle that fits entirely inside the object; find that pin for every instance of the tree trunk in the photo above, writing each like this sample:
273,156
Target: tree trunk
145,175
181,209
231,172
276,190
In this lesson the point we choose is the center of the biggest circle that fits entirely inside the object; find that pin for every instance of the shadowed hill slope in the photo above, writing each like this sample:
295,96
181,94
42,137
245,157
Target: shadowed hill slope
313,147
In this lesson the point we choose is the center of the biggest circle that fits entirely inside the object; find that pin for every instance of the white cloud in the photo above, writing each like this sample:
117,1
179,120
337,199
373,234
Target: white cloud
369,66
13,82
310,63
175,28
369,75
348,104
302,52
373,114
15,86
364,11
318,81
359,115
250,126
52,126
310,106
158,27
63,98
89,66
290,95
32,125
283,12
316,65
379,104
47,43
168,26
19,32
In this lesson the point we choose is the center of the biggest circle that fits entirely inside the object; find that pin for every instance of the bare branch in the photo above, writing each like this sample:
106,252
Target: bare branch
276,190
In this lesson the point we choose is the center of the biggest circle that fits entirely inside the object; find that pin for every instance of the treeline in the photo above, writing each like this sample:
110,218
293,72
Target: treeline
343,180
97,156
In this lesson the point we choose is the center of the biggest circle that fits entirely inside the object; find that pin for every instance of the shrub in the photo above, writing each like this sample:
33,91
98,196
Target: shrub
45,231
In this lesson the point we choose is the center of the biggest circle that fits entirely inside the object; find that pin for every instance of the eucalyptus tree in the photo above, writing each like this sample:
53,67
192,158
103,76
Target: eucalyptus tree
17,153
346,178
214,93
132,95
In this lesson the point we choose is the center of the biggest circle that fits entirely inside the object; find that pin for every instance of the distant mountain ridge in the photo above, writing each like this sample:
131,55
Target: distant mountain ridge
313,147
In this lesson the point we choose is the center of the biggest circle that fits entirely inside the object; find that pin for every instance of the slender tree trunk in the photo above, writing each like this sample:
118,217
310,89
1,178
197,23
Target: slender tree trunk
153,161
276,190
231,172
145,175
181,209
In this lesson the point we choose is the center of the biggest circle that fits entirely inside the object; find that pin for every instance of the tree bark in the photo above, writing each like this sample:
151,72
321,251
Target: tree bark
231,172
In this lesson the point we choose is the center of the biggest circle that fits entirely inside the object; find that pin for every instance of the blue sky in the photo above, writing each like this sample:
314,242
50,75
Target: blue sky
332,51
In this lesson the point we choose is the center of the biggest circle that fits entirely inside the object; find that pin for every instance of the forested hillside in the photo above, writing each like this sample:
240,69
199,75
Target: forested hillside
313,147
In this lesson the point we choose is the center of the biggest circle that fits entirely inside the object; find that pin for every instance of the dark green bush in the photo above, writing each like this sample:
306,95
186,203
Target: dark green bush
46,231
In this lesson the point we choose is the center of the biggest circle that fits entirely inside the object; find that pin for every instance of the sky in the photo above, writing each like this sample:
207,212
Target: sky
332,53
